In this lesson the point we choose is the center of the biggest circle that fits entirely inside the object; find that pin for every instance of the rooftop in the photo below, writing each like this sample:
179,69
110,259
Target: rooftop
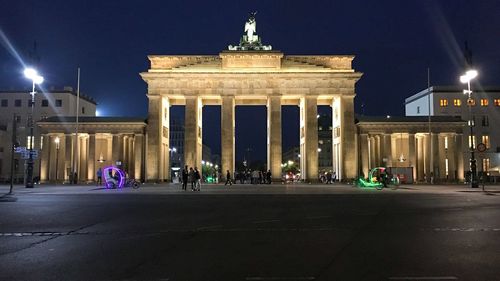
53,90
93,119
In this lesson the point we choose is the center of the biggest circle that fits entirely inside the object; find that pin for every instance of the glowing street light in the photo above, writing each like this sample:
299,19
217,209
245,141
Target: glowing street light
465,79
36,79
57,141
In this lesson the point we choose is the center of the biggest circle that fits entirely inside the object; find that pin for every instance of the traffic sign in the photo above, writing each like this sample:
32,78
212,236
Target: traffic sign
20,149
481,147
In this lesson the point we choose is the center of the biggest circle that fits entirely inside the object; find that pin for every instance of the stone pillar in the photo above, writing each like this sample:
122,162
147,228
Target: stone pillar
130,155
347,133
116,149
387,144
309,138
364,154
91,173
442,154
274,152
192,132
427,163
371,152
125,153
459,154
138,146
52,158
451,155
68,155
412,155
83,146
44,162
227,134
420,158
435,156
376,140
157,153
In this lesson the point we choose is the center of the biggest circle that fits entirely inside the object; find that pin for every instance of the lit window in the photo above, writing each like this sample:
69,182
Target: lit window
445,142
471,102
29,142
484,102
486,164
443,102
473,143
457,102
496,102
486,141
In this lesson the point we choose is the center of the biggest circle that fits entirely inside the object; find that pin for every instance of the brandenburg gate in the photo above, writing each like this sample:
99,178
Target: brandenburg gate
252,74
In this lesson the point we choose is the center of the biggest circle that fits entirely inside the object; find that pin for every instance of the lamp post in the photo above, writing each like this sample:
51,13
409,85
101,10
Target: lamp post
465,79
31,74
57,141
172,151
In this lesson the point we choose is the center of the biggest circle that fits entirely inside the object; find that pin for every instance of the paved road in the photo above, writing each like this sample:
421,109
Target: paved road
278,232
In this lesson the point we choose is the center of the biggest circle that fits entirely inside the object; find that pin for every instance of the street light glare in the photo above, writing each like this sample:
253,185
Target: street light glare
38,80
468,76
30,73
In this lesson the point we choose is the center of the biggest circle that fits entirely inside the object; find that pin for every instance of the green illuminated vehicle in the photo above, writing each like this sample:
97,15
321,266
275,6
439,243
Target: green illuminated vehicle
378,178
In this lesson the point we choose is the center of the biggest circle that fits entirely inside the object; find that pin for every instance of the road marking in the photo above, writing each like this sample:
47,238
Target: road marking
265,221
279,278
424,278
468,229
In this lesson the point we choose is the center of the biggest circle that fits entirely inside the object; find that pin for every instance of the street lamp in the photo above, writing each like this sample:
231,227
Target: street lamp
172,151
31,74
57,141
465,79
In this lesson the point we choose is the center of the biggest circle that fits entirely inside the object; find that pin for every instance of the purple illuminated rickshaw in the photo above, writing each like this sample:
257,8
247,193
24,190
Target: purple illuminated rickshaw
116,178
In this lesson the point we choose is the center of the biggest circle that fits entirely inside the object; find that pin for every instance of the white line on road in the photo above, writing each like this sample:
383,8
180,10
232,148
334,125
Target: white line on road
424,278
279,278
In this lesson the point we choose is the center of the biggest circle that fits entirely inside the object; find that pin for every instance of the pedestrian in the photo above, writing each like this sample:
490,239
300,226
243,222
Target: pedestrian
328,178
268,176
334,177
260,177
228,178
99,176
185,175
191,178
197,179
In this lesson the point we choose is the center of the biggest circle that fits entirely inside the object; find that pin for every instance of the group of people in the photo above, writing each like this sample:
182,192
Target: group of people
328,177
192,176
254,177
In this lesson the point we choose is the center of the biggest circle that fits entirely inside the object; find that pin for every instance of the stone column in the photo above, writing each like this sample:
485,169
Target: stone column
227,134
68,155
124,153
138,146
116,148
45,161
387,143
192,132
309,138
376,140
412,154
451,155
158,139
364,154
420,158
459,154
347,133
83,146
435,156
371,152
427,163
274,151
52,158
91,159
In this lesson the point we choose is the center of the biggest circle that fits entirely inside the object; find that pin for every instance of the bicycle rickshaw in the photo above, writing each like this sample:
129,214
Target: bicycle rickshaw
116,178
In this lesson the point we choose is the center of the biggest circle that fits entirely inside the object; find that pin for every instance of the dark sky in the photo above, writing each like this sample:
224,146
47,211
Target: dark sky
394,43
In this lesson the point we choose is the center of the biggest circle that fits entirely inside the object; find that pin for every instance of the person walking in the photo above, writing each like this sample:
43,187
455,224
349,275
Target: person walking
99,177
192,178
185,176
268,176
228,178
197,179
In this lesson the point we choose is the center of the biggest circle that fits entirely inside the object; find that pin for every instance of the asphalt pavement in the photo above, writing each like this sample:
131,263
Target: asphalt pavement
250,232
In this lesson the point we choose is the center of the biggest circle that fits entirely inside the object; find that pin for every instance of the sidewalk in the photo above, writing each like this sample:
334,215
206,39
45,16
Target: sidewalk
166,188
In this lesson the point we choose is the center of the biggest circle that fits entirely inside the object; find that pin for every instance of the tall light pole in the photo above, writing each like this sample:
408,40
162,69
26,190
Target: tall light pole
57,141
172,151
465,79
31,74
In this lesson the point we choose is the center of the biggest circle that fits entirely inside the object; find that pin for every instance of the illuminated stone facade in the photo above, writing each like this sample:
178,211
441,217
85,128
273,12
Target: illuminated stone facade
251,78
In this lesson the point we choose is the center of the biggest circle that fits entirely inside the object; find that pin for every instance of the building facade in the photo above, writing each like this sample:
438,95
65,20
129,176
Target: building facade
47,104
483,108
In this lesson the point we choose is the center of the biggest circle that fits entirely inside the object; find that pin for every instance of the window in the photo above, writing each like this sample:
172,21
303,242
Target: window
473,143
486,141
45,103
29,142
418,109
83,110
5,103
17,103
486,164
485,122
443,102
471,102
58,103
484,102
30,103
496,102
18,119
457,102
445,142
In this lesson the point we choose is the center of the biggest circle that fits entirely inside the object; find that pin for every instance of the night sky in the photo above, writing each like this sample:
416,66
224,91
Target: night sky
394,43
